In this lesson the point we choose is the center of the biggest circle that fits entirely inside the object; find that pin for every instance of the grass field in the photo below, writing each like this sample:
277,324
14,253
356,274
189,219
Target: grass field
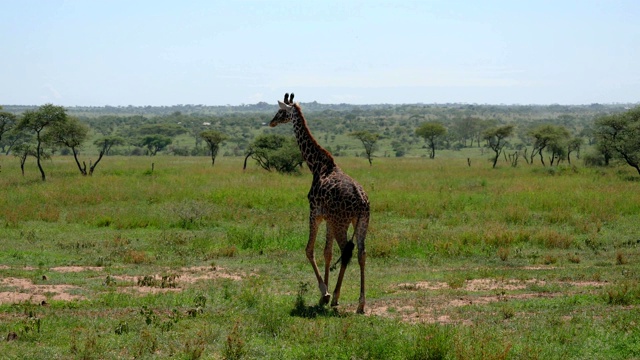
189,261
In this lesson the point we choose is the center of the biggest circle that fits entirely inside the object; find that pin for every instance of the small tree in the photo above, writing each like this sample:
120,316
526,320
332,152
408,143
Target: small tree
275,152
431,132
369,141
154,143
104,144
71,133
574,144
37,121
496,139
213,139
7,122
22,151
619,134
550,137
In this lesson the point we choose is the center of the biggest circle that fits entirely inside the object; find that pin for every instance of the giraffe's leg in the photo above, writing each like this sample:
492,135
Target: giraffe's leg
361,234
341,237
362,260
328,253
314,221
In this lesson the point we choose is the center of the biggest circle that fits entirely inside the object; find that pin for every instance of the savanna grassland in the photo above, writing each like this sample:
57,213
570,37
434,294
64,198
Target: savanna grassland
187,261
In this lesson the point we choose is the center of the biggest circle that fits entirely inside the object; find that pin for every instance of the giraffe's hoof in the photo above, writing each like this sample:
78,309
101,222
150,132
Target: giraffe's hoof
360,309
324,300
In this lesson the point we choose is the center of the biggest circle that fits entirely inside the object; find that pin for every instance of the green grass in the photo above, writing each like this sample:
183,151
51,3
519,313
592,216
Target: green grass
463,262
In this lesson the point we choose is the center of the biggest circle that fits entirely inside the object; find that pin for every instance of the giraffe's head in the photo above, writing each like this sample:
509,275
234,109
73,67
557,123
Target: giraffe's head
285,114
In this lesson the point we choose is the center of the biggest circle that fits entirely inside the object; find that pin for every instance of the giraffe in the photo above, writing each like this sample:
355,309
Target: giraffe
334,197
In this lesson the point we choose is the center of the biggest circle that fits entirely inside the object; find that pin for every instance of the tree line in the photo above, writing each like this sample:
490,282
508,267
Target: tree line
551,134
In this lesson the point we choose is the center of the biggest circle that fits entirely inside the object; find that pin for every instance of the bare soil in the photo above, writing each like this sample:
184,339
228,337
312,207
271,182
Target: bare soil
435,302
20,290
421,301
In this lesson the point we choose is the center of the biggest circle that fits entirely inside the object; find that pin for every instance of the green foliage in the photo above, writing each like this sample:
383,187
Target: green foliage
369,141
553,138
7,122
496,139
213,139
154,143
431,132
618,136
36,121
71,133
276,152
105,143
167,130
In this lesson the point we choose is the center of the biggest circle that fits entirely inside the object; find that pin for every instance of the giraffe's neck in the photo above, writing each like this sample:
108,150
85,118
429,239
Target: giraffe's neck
318,159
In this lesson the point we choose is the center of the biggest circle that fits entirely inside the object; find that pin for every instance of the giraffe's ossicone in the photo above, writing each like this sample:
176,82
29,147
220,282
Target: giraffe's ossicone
335,198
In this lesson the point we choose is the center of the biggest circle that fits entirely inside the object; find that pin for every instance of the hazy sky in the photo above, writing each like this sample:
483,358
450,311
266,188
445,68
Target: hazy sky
99,52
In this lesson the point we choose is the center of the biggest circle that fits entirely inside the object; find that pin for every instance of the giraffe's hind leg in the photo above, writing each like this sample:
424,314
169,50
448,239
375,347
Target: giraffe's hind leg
361,234
341,237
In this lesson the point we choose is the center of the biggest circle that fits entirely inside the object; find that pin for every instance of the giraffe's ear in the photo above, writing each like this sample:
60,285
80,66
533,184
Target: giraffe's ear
283,106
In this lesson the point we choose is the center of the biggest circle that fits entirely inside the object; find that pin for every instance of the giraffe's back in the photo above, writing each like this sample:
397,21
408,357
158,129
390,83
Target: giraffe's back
338,197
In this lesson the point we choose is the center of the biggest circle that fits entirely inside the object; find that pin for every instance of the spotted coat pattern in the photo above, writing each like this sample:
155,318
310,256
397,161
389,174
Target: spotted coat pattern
335,198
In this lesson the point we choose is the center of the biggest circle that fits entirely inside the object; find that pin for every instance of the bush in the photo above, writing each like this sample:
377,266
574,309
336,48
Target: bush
276,152
593,159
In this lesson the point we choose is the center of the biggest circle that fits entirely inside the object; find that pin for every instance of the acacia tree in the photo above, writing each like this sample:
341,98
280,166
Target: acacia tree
213,139
369,141
619,134
105,144
550,137
574,144
274,151
37,121
466,128
71,133
154,143
431,132
22,151
7,122
496,139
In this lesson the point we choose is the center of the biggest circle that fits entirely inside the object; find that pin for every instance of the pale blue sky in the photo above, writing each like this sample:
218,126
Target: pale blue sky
98,52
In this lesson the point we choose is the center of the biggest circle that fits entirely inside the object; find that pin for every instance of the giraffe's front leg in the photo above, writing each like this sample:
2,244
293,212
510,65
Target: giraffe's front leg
313,232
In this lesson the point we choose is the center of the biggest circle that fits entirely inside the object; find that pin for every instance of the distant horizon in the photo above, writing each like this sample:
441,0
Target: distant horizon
323,103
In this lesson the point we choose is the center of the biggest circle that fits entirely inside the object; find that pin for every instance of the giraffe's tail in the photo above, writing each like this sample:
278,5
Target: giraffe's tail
347,251
346,255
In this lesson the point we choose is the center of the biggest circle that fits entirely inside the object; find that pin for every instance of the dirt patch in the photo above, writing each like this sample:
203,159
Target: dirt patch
18,290
187,275
67,269
493,284
424,285
192,274
587,283
27,291
148,290
474,285
438,304
174,282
